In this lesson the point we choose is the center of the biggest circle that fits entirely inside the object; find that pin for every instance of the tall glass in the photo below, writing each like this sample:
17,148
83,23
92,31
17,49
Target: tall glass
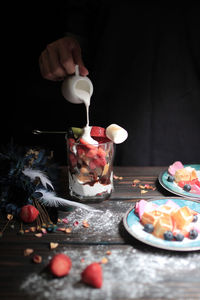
90,170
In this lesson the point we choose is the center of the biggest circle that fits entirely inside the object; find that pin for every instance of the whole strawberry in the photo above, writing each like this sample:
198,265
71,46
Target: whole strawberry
92,275
28,213
60,265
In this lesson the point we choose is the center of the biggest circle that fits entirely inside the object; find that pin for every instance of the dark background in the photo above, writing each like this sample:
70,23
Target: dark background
31,101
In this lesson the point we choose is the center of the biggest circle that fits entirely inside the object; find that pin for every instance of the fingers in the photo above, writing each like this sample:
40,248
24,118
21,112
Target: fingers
66,58
50,66
59,58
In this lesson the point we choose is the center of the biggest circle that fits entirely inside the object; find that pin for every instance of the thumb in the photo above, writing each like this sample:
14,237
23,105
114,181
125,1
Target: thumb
78,60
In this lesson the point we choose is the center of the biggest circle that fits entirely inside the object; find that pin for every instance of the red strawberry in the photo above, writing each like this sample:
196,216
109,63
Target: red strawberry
191,182
92,275
89,146
97,131
28,213
97,162
60,265
196,181
92,152
81,152
73,160
101,152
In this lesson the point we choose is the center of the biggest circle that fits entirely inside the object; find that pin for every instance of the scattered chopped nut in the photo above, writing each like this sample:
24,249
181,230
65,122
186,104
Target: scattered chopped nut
104,260
9,217
143,191
32,229
85,224
117,177
135,181
28,252
61,229
44,230
141,186
38,234
53,245
68,230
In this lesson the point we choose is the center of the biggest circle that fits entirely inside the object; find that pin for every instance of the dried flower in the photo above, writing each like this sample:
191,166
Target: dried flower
37,259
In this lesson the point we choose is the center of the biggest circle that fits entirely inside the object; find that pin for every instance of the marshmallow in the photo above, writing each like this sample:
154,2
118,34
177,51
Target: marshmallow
116,133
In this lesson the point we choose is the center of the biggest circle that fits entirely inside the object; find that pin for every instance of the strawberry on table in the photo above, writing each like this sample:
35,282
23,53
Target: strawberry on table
29,213
60,265
92,275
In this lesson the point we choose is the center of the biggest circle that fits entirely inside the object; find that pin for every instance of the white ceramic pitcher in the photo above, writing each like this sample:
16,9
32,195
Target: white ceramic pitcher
74,82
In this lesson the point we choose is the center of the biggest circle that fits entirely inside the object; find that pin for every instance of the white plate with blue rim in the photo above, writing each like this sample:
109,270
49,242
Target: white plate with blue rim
173,186
136,229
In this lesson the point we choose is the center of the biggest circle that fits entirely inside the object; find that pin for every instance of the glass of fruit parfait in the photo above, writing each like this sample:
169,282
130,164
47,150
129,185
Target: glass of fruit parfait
90,164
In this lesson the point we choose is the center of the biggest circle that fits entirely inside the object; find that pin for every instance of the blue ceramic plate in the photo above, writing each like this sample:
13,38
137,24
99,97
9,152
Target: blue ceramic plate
135,228
174,188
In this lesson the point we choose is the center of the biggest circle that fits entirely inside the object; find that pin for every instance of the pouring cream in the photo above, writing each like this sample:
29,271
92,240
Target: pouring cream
84,96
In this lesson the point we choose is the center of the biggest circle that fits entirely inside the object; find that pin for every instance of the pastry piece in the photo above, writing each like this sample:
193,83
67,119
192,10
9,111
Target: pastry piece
151,217
185,174
163,224
182,217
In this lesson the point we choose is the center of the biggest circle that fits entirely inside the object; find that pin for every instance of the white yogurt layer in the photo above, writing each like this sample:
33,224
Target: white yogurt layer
87,190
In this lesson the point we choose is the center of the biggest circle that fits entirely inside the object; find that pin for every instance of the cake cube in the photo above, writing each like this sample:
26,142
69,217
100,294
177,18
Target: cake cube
151,217
163,224
182,217
185,174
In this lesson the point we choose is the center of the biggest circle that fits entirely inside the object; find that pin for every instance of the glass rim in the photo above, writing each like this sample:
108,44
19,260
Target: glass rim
95,145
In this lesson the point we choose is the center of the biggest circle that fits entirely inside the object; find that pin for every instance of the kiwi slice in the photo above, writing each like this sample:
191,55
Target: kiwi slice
77,132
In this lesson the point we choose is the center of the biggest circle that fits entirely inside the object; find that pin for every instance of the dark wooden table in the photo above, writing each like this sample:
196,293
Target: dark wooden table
131,269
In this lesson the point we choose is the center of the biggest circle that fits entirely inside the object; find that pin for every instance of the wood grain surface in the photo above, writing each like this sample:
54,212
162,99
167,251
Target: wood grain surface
133,270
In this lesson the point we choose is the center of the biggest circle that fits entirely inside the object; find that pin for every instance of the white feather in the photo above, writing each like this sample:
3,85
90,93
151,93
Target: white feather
50,199
32,174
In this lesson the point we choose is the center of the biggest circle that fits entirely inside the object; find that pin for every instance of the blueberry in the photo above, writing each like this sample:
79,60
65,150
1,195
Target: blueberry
195,218
193,234
187,187
168,235
148,228
170,178
179,237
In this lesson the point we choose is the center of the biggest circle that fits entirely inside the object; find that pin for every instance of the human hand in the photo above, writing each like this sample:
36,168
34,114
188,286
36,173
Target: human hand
59,58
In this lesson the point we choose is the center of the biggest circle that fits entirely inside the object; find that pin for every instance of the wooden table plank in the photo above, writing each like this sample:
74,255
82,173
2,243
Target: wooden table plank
134,270
130,273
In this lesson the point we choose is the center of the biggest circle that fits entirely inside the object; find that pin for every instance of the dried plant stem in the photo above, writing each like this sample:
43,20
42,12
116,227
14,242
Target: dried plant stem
6,224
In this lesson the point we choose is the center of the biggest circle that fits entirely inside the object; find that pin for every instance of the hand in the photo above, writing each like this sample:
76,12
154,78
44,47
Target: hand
59,58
